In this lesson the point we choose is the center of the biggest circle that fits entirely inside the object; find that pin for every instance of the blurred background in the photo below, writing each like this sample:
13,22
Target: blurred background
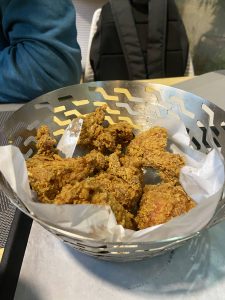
205,25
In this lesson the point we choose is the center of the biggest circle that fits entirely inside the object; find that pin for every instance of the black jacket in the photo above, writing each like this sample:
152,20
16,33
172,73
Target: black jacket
151,34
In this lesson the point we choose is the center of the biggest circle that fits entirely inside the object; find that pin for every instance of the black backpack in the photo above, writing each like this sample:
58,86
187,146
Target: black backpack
139,39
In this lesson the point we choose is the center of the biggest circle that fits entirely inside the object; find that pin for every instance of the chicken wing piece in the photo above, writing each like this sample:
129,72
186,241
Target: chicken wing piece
145,146
104,139
162,202
48,175
89,192
125,184
124,192
152,140
148,149
114,137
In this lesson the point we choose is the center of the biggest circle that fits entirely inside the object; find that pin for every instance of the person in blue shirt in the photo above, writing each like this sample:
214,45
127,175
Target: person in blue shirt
38,48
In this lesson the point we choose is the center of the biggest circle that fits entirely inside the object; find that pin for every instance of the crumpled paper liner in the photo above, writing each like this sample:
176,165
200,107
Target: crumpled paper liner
202,178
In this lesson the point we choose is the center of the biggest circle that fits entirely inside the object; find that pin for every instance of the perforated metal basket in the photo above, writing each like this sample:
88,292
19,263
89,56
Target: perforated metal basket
136,102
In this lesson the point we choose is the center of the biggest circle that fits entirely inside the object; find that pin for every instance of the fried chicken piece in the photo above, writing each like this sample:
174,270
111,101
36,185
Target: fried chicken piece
78,193
105,142
168,164
114,137
88,192
145,146
124,192
162,202
131,161
123,217
125,184
45,143
122,132
97,159
48,172
48,175
115,180
92,126
152,140
104,139
148,149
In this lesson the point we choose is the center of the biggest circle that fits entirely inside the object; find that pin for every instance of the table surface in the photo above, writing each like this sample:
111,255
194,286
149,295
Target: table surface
52,270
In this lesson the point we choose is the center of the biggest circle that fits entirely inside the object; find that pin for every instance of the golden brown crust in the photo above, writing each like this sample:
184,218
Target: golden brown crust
154,139
45,143
92,126
148,149
104,139
162,202
89,192
48,175
107,176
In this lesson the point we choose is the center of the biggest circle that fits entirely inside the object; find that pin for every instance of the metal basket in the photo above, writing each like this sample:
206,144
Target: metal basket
137,102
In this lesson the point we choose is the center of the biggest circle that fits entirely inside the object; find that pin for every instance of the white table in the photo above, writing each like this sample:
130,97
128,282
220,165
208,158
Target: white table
53,271
10,107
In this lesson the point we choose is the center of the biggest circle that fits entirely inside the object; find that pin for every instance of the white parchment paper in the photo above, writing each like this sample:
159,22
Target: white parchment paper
202,178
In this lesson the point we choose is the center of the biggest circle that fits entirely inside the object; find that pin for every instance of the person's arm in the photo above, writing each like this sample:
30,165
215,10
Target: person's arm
42,52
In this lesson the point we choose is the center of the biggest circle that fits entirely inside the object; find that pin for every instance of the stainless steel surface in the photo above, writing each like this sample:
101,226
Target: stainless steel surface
136,102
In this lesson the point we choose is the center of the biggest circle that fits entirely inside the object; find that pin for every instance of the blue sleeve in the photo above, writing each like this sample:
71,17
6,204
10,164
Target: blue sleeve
42,52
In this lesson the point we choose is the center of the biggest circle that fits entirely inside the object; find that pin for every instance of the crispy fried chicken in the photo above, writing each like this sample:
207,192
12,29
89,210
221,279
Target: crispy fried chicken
107,176
104,139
